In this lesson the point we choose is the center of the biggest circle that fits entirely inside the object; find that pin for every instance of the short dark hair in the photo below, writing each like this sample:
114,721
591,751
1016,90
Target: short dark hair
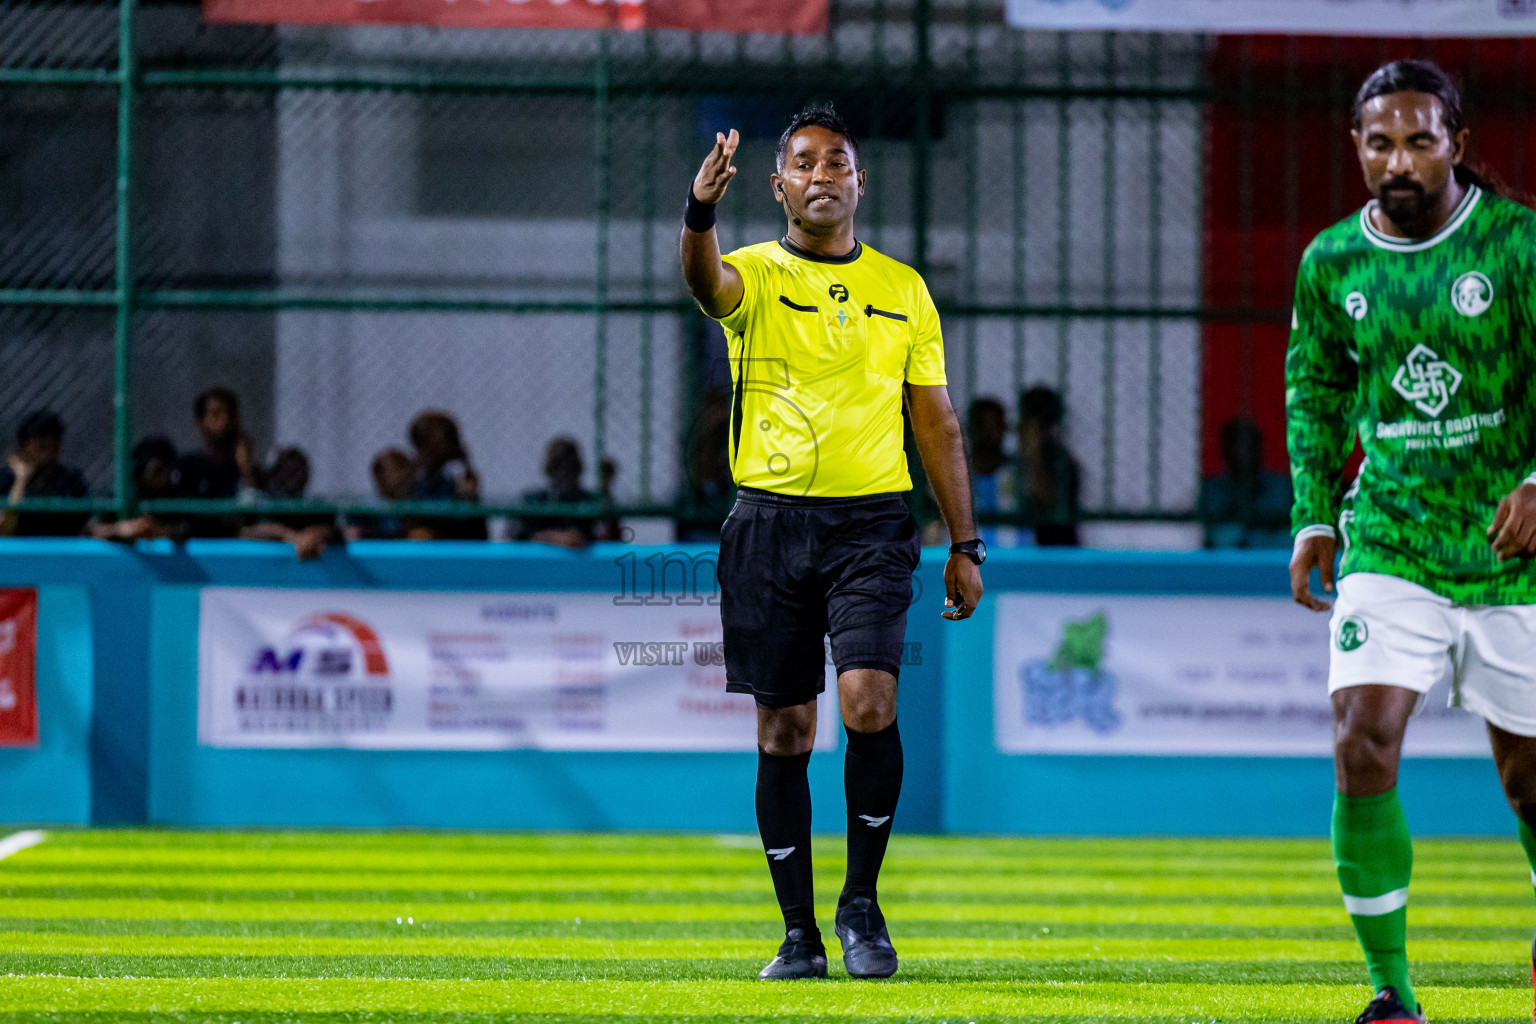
40,423
152,449
817,115
228,397
1043,405
1413,76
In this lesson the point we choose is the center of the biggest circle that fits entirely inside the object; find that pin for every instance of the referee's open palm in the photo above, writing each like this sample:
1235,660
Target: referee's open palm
710,183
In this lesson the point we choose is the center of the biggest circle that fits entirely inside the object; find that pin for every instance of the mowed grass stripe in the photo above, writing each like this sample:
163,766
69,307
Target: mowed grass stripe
914,970
1506,859
1035,930
429,912
586,948
669,844
756,895
956,882
62,995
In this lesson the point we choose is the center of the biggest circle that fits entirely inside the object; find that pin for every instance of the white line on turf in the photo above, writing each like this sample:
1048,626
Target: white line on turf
20,841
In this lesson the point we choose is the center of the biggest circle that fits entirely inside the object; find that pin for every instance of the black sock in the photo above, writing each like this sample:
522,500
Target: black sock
784,822
872,782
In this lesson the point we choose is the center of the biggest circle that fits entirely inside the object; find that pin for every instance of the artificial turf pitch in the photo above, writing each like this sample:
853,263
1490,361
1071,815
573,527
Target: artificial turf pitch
260,928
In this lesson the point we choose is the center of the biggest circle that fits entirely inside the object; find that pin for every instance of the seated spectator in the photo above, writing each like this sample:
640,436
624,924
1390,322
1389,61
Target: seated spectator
987,426
563,468
309,533
443,473
1042,484
154,476
1248,506
33,470
226,463
393,478
711,490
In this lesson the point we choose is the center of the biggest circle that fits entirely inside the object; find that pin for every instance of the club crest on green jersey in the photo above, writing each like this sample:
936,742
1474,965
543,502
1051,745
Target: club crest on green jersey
1426,380
1351,634
1472,294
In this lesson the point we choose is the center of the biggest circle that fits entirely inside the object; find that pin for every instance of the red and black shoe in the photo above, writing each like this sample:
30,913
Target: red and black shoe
1386,1008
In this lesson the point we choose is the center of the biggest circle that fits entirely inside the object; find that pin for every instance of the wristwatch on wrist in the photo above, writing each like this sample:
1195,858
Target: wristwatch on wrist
975,550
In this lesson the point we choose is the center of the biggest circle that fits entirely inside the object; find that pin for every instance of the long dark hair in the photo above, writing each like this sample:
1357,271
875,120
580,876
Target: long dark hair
1428,77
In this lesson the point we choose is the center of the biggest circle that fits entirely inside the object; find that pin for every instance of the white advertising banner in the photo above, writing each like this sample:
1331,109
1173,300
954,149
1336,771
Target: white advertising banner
1292,17
413,670
1239,676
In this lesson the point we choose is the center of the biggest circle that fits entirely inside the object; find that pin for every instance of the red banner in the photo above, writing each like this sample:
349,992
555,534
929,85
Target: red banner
794,17
18,665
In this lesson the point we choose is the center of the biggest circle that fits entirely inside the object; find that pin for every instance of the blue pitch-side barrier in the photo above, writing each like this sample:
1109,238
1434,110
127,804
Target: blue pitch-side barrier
117,667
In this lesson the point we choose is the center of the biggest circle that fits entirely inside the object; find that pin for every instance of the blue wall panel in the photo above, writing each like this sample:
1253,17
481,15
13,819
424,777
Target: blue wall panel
51,782
117,688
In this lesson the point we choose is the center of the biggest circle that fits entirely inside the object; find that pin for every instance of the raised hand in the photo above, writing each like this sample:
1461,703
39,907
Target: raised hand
715,175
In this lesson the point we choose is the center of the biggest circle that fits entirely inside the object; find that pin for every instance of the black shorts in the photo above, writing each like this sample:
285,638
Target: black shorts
792,570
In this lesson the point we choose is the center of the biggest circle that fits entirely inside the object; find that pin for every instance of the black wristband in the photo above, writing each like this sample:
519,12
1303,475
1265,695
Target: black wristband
698,215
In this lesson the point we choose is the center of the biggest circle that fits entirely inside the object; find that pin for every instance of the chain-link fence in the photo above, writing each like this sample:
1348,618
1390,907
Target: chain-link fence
348,225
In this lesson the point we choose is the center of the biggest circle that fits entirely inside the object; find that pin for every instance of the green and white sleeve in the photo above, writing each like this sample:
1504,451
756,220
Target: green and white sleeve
1320,382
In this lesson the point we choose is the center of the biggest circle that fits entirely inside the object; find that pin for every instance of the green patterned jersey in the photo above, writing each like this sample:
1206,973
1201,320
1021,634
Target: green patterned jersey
1426,350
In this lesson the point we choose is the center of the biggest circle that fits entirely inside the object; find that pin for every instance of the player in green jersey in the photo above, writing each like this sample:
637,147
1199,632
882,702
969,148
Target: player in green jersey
1415,328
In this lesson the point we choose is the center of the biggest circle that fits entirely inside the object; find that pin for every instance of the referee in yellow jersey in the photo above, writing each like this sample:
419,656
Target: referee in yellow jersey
825,336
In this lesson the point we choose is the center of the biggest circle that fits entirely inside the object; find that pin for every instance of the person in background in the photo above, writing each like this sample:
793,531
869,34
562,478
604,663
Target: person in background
711,491
310,534
394,475
155,468
1047,479
1248,506
227,464
442,472
992,471
562,469
33,470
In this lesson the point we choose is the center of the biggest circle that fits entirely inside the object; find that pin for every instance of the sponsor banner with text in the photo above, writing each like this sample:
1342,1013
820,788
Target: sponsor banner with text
1291,17
1237,676
411,670
18,668
795,17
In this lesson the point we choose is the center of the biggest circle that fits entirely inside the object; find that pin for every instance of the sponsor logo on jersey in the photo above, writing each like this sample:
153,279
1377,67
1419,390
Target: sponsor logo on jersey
1426,380
1356,306
1351,634
1472,294
838,293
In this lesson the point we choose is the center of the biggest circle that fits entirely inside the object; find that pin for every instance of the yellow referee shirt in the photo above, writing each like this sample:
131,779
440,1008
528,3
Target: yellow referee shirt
820,347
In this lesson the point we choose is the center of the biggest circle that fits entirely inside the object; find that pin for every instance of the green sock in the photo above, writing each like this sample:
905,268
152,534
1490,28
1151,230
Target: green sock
1374,854
1528,840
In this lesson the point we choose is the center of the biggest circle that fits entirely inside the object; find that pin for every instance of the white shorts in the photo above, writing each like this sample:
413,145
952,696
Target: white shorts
1391,632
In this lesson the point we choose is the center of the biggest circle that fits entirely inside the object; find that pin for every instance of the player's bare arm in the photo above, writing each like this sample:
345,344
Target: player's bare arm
1513,530
939,443
714,283
1313,553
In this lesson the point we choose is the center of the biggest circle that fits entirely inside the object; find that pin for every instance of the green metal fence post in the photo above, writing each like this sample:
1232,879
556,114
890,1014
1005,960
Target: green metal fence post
122,385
